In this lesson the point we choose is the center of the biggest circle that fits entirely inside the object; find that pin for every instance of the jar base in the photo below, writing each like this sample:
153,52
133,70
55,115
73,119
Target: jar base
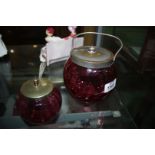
51,121
91,101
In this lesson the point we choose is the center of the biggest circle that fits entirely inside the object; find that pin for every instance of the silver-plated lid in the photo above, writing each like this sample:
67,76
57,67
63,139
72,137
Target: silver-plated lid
36,88
92,57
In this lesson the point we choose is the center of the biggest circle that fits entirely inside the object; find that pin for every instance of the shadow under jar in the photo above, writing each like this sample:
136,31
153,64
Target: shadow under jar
38,102
90,74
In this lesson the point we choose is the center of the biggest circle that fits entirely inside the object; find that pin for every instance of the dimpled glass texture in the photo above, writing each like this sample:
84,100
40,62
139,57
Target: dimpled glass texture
39,111
86,84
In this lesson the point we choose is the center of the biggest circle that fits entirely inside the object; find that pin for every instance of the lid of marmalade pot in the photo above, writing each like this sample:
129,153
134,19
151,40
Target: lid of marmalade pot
36,88
92,57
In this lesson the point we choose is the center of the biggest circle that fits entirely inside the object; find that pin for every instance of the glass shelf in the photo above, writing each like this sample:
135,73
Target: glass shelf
109,113
75,115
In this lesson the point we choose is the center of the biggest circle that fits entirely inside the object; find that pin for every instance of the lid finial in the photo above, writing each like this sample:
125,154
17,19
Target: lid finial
91,50
36,82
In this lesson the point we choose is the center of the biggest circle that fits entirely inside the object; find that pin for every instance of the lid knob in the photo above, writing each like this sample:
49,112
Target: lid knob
91,50
36,82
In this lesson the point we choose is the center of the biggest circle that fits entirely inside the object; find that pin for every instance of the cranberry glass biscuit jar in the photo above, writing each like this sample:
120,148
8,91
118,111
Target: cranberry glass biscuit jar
89,73
38,101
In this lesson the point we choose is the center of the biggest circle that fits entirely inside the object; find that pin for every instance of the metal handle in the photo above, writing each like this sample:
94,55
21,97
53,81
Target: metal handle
104,34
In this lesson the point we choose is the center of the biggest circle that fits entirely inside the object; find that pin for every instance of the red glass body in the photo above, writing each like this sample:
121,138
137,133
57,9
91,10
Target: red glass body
39,111
86,84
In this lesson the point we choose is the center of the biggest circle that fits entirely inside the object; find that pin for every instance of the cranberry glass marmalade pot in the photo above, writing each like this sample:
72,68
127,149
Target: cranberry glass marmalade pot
89,73
38,101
